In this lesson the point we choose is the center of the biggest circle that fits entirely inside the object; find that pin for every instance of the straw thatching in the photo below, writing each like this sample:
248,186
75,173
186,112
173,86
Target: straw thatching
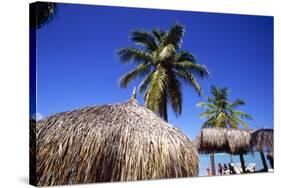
262,139
119,142
32,152
220,140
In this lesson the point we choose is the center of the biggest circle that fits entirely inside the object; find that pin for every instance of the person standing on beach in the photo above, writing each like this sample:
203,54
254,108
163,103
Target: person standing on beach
225,169
208,172
219,169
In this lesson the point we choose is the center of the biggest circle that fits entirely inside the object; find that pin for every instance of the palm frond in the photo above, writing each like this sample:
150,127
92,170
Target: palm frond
242,115
185,56
174,36
190,79
158,34
144,39
239,121
133,54
41,13
232,123
210,100
224,92
141,70
175,94
236,103
206,105
208,114
156,90
220,93
145,82
209,123
195,68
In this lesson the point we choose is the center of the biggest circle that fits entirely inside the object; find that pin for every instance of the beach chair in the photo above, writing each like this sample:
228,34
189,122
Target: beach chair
251,167
238,168
226,172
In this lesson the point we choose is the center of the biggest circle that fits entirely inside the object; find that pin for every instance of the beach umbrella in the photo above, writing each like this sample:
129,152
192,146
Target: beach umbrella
119,142
262,139
224,140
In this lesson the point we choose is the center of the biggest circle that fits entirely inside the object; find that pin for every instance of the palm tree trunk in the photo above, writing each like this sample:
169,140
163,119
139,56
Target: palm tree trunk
242,162
265,167
213,167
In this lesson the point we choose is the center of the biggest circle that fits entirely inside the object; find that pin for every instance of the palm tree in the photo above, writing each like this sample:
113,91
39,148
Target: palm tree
41,13
220,112
162,65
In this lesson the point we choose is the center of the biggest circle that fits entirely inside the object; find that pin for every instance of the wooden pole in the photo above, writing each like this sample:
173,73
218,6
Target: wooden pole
212,158
263,161
242,162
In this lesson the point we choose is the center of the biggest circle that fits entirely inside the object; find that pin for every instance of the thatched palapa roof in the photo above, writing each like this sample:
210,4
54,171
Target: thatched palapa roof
262,139
118,142
218,140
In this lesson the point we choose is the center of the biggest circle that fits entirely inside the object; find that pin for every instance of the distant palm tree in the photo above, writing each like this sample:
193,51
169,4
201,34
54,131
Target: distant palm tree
162,65
220,112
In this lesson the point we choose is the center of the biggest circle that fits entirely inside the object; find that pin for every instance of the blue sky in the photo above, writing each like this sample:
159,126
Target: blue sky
78,65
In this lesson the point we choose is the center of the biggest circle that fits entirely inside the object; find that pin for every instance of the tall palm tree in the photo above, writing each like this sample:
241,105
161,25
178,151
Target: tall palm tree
162,65
220,112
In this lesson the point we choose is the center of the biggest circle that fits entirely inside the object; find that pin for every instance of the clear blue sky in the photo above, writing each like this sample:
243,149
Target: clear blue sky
78,65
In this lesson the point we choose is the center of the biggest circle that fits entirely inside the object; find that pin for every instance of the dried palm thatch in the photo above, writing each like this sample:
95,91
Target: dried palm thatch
262,139
32,152
119,142
218,140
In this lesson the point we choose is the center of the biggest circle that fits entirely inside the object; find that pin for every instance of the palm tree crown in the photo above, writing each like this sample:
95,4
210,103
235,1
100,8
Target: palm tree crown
220,112
161,64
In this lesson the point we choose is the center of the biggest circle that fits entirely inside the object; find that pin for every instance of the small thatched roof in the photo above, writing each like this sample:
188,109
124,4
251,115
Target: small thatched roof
119,142
262,139
219,140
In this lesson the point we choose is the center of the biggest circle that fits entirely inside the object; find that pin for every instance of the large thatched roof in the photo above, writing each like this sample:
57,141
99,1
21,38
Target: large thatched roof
119,142
262,139
218,140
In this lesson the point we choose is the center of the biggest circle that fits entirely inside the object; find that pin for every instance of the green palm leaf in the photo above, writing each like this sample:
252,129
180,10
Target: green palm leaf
185,56
156,91
206,105
237,103
174,36
190,79
133,54
175,95
208,114
195,68
241,114
144,39
141,70
158,34
145,82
